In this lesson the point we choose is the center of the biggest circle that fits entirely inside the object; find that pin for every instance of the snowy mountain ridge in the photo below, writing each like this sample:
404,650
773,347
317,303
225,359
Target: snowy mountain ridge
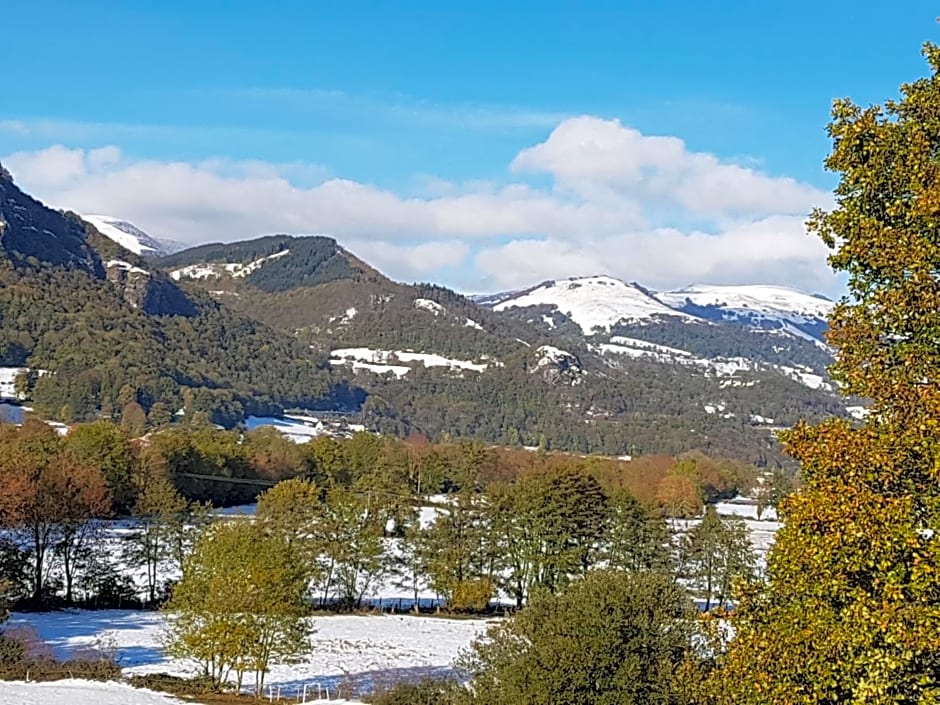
754,305
132,238
597,303
593,303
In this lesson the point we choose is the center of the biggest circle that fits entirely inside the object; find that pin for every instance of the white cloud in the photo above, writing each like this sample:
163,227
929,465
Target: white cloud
773,250
595,157
617,202
410,262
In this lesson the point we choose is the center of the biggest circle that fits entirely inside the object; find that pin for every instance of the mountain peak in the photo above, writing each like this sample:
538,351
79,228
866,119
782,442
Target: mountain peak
131,237
598,301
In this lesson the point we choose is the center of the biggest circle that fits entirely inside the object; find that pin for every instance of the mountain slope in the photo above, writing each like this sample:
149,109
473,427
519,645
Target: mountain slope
755,306
130,237
590,364
113,331
329,298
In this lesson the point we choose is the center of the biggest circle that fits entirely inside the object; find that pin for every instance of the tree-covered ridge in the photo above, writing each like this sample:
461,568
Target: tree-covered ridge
654,408
312,287
120,339
288,262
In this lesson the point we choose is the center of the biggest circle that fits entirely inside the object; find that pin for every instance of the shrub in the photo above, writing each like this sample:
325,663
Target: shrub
175,685
426,692
471,595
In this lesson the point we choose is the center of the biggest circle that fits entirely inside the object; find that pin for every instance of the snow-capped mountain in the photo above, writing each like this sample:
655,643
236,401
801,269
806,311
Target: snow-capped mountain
716,330
756,306
593,302
598,303
132,238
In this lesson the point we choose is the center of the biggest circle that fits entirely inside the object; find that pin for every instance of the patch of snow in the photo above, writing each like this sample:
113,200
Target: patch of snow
389,358
758,419
126,266
8,382
243,270
645,345
218,269
594,302
128,235
397,370
297,429
431,306
473,324
858,412
806,377
552,353
79,692
195,271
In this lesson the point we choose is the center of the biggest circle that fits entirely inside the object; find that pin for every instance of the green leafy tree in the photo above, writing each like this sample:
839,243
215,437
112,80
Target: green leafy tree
455,550
851,610
292,510
239,607
105,446
349,530
547,529
157,511
612,638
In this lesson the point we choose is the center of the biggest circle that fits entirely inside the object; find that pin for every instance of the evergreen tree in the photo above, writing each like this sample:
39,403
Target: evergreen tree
719,552
609,638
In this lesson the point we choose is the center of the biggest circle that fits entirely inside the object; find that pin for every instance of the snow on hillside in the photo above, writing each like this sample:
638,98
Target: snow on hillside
754,304
126,266
431,306
858,412
635,348
594,302
78,692
218,269
129,236
382,361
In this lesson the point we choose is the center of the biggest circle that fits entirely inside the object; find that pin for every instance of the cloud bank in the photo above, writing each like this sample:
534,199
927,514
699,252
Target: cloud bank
595,196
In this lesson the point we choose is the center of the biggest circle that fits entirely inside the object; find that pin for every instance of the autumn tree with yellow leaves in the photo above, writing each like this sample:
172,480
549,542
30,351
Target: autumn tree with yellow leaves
851,609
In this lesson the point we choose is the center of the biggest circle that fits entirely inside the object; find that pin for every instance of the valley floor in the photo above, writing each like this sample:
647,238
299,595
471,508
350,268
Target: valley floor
352,652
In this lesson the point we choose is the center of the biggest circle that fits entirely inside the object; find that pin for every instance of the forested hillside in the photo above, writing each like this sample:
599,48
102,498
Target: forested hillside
123,340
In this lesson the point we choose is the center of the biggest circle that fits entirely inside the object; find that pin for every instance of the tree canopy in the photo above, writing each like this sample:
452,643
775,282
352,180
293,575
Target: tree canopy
851,611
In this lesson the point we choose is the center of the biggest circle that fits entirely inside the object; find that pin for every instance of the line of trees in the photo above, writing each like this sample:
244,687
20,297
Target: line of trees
511,520
546,540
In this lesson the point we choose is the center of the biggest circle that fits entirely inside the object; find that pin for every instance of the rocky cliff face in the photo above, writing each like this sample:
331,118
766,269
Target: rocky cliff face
148,291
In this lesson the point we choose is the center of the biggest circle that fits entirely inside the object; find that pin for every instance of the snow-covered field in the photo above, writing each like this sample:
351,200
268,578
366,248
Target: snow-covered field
352,651
76,692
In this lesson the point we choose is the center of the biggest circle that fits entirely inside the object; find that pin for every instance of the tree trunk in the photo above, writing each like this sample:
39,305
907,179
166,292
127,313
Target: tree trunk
40,556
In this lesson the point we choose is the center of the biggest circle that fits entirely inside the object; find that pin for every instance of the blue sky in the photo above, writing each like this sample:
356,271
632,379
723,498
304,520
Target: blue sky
419,113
